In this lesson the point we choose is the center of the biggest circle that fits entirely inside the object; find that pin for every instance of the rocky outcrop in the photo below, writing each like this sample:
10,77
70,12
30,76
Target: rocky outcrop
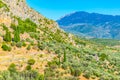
21,9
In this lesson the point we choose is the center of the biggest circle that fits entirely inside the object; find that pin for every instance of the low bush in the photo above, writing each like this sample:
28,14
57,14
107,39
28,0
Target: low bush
28,47
31,62
87,74
12,67
23,75
19,44
75,72
28,67
13,43
6,47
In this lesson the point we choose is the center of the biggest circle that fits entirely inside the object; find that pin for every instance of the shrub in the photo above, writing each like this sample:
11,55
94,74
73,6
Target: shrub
75,72
13,44
97,73
12,67
41,46
6,47
65,65
31,62
87,74
41,77
23,44
19,44
22,75
28,67
28,40
103,57
28,47
34,35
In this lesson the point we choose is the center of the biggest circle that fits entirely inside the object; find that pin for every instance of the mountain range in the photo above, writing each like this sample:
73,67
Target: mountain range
91,24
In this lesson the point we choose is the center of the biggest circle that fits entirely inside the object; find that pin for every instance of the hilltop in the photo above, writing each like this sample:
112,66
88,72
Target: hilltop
91,24
33,47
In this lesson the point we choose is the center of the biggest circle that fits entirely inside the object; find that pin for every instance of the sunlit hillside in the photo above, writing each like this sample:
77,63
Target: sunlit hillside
33,47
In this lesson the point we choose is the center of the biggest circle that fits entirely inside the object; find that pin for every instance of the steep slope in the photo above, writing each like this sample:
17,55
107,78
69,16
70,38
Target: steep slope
33,47
25,33
91,24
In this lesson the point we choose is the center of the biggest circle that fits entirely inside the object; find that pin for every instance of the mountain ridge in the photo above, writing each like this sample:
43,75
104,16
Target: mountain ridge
107,25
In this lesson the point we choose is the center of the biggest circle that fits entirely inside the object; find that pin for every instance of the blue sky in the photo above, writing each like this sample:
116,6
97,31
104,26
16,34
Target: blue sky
54,9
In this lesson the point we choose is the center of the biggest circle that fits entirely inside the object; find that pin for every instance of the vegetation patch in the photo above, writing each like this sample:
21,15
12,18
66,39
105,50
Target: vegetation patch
6,47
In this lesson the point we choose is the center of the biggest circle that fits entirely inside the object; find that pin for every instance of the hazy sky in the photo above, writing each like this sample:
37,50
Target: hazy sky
54,9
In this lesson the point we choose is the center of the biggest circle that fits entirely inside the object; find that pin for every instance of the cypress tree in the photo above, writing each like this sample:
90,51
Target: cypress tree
16,36
64,56
7,36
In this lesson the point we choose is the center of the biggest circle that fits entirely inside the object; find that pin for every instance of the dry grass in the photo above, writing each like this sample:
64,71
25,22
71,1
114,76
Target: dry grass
20,56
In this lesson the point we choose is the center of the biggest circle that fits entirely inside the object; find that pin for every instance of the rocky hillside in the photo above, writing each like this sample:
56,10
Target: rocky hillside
33,47
19,8
91,24
26,34
16,13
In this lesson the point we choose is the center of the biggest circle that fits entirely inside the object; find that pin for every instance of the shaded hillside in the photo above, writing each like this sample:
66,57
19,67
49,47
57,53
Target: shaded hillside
33,47
91,24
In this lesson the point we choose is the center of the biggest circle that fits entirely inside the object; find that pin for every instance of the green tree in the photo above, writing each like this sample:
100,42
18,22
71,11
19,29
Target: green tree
64,56
7,36
16,36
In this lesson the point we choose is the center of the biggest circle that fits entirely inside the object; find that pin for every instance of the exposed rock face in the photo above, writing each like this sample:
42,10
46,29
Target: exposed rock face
20,8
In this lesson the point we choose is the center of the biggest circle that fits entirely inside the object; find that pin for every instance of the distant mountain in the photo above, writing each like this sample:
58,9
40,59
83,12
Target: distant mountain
91,24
